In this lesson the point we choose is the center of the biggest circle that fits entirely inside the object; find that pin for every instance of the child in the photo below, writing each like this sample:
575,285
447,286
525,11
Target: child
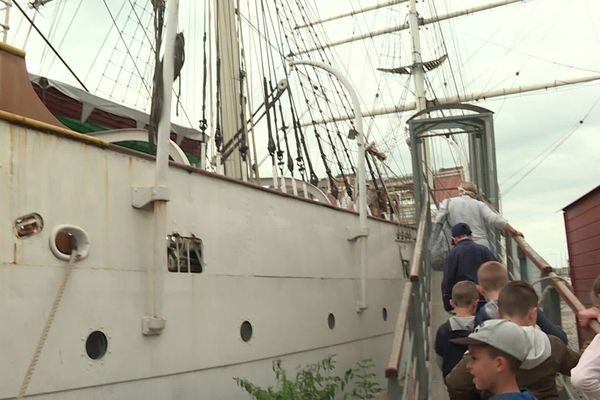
492,277
586,375
464,300
548,355
497,348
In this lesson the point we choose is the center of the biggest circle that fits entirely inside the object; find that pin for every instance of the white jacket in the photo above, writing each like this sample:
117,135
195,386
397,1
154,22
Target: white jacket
474,213
586,375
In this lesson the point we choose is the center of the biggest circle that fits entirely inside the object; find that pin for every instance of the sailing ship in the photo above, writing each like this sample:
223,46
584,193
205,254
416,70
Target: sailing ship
126,275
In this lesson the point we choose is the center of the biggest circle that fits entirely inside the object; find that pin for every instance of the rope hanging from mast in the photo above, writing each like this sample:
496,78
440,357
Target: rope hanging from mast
203,123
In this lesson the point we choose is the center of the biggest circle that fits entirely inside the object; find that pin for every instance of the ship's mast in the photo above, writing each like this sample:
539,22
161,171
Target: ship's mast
4,26
229,55
418,73
417,67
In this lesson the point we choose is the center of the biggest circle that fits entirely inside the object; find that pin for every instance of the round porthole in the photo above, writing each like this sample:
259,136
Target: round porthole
96,345
246,331
384,313
331,321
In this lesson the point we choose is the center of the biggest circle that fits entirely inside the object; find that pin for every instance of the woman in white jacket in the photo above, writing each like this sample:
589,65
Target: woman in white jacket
586,375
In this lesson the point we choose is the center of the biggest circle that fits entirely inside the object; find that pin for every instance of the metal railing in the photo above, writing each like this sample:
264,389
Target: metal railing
526,264
406,372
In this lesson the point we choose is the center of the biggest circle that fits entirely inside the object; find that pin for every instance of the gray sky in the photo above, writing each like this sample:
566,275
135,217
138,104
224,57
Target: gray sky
525,43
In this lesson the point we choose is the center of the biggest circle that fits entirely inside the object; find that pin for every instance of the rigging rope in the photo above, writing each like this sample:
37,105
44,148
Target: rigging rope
125,44
380,199
203,122
100,49
50,45
540,158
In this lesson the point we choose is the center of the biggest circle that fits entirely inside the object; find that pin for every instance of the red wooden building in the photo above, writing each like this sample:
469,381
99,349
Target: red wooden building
582,225
446,183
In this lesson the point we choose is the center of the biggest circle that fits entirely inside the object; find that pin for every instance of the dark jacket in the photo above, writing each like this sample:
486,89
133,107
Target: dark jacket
490,311
462,264
452,353
539,379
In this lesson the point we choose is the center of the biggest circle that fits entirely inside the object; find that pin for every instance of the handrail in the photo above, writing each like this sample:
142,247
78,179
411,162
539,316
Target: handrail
403,318
415,267
533,255
391,371
557,283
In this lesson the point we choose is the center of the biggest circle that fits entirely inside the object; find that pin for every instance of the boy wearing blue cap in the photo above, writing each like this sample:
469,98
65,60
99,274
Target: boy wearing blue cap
497,348
462,261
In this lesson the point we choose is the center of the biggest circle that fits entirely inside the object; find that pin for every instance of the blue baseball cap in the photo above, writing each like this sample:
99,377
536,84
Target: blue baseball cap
461,229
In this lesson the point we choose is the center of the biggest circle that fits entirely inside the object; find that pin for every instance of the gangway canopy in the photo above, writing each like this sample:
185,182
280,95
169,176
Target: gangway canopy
451,119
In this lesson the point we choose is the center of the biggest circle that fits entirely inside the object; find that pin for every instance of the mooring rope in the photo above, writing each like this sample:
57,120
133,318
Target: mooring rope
47,326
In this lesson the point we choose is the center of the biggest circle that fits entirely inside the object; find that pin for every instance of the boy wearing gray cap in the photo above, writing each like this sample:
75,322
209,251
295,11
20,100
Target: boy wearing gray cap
497,348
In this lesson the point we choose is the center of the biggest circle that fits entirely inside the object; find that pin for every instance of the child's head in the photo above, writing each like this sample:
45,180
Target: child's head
517,302
465,296
488,364
496,348
492,276
596,291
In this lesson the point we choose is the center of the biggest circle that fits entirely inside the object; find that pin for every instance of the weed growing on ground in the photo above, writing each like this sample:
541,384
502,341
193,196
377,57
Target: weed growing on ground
317,382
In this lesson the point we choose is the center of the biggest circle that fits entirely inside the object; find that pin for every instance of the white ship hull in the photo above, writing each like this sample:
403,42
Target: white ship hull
283,264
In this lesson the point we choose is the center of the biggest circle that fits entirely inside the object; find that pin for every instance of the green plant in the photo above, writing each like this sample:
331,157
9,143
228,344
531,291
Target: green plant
365,384
317,382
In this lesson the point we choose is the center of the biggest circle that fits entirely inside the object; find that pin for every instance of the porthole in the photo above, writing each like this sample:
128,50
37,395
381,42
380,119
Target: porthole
246,331
331,321
384,313
96,345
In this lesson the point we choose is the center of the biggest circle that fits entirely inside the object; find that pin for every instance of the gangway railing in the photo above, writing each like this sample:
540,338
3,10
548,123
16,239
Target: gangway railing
526,264
407,370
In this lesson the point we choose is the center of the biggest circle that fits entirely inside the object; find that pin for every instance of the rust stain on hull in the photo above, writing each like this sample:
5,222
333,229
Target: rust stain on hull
14,254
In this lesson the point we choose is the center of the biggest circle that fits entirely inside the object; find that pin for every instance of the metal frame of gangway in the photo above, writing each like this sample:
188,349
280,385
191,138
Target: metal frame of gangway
407,369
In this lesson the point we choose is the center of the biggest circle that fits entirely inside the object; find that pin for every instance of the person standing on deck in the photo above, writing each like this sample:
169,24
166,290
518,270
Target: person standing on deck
586,375
463,261
477,214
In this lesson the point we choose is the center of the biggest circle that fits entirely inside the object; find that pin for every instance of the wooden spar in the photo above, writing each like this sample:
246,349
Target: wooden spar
351,13
464,98
404,26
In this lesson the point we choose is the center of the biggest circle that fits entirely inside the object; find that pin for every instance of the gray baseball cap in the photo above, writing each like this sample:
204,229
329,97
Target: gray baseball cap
501,334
